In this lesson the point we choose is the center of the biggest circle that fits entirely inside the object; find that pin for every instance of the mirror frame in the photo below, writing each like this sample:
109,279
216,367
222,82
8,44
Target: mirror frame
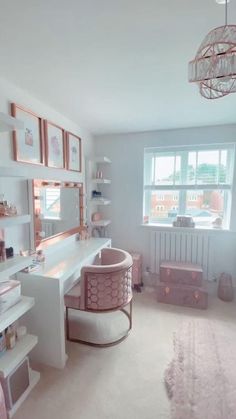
40,242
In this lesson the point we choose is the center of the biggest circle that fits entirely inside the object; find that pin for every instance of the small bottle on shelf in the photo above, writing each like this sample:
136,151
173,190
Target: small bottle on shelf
10,338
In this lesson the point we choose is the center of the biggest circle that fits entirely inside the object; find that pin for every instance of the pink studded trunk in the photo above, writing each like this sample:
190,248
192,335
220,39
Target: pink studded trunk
184,295
181,273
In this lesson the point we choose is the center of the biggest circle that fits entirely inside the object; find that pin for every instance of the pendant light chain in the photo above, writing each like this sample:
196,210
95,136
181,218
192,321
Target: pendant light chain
226,12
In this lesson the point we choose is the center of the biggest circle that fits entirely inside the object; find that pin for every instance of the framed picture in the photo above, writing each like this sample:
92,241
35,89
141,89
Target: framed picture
55,145
73,152
28,144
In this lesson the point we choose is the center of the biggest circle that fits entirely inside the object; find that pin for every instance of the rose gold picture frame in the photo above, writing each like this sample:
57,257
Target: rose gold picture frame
73,152
28,144
55,153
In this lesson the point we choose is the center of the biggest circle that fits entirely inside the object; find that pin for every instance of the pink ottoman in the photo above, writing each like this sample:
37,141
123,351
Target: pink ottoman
181,273
184,295
136,271
225,287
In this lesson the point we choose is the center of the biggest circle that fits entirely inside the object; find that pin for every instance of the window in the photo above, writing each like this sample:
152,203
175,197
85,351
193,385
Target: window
192,181
160,197
192,197
51,203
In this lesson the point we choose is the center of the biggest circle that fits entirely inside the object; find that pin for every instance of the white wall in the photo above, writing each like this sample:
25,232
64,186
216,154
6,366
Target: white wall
15,189
126,191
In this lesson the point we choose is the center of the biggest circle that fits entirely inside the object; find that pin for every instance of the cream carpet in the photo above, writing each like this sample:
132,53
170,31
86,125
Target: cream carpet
121,382
201,379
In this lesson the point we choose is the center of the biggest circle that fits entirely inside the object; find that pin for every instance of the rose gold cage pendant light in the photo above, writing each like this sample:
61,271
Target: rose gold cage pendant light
214,67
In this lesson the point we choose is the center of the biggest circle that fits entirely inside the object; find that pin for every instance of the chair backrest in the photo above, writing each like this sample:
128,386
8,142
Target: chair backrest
107,286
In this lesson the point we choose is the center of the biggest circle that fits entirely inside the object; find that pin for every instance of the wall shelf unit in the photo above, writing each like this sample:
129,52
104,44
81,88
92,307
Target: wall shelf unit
98,179
9,123
100,223
15,220
100,201
102,160
13,265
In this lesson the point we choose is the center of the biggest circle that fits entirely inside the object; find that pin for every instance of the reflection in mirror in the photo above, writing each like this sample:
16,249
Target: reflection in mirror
58,209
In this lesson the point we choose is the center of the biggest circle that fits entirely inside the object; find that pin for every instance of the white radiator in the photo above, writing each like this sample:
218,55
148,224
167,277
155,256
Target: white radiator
192,247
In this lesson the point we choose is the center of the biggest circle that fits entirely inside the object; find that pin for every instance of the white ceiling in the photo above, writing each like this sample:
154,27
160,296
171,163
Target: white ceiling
113,65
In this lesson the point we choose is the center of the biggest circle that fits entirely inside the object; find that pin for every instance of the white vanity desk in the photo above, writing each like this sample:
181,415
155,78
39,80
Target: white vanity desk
48,285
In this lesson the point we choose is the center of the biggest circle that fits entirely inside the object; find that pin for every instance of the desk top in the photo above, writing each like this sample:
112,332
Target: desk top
70,258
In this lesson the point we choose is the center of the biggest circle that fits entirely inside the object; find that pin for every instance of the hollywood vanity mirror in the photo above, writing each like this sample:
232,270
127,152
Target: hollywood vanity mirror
57,209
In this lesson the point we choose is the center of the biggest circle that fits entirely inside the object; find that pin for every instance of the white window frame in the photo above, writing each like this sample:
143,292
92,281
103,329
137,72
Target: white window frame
183,187
45,212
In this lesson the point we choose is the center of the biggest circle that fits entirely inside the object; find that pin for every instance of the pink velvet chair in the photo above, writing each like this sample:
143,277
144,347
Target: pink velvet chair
103,288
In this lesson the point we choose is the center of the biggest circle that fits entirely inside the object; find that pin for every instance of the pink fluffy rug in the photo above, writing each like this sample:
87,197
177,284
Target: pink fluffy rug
201,379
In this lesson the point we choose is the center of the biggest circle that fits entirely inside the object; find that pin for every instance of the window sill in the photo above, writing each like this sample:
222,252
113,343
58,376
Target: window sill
164,227
51,219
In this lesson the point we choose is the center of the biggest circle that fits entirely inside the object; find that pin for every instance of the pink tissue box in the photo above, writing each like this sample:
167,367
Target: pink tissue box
181,273
182,295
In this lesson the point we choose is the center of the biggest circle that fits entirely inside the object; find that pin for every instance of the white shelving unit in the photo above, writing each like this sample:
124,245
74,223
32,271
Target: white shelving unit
100,223
13,265
13,313
34,379
11,221
98,180
98,164
100,201
15,172
102,160
9,123
12,357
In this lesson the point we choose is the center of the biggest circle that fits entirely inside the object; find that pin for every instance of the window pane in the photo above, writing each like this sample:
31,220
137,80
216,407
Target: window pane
164,170
206,206
177,170
207,168
223,167
192,164
51,203
164,206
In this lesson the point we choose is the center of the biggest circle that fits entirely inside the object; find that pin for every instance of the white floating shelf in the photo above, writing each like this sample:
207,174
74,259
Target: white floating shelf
101,180
101,223
12,357
13,265
12,221
14,171
15,312
34,379
9,123
100,201
101,159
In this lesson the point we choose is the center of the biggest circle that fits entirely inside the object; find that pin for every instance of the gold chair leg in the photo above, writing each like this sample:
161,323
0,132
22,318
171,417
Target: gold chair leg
101,345
67,324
